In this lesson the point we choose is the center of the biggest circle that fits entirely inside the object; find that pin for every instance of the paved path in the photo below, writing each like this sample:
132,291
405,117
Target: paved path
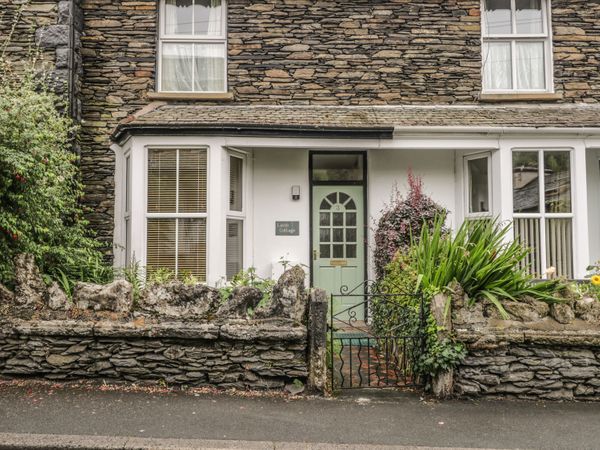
373,419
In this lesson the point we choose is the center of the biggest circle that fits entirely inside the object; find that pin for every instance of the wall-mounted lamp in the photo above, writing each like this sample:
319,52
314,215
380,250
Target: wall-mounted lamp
295,193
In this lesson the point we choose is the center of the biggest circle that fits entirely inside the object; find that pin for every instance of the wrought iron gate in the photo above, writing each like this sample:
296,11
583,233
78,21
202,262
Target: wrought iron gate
361,357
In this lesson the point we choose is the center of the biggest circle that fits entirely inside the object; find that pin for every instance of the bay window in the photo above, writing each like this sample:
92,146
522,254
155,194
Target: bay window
542,209
177,211
193,46
517,46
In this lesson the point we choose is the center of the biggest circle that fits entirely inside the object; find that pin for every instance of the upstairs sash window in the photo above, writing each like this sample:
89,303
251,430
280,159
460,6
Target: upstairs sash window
517,46
193,46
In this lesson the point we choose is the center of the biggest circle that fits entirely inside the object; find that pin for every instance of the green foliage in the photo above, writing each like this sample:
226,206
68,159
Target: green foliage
133,274
402,219
249,278
40,191
482,259
161,276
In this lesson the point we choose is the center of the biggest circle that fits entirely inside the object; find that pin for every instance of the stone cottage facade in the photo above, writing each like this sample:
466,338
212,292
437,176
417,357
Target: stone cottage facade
218,135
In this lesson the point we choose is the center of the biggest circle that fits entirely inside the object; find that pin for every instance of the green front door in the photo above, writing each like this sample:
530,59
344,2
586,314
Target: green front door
338,242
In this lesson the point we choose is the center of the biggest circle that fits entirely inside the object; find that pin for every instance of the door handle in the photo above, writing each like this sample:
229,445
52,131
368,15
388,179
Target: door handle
315,255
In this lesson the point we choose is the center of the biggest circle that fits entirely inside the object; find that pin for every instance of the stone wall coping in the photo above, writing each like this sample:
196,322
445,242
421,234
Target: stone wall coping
490,338
241,330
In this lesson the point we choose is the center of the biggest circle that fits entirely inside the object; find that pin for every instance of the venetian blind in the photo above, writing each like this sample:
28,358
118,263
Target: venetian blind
177,184
234,247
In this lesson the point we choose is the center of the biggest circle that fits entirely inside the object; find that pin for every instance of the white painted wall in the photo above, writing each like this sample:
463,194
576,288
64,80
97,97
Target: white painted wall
275,172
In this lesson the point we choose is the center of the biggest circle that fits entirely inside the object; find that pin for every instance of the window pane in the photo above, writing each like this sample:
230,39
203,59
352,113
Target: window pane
531,72
236,166
529,17
338,235
338,251
325,251
208,15
341,167
178,17
527,233
325,235
162,181
192,181
497,66
192,248
559,246
351,219
210,68
478,177
324,219
177,64
557,182
498,17
235,247
160,248
526,187
127,184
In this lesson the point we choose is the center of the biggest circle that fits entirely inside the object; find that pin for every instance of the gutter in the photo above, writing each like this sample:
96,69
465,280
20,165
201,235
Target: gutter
580,131
299,131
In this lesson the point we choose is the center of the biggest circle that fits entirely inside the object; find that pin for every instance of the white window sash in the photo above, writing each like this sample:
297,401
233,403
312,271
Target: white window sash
467,184
542,216
177,215
191,39
513,39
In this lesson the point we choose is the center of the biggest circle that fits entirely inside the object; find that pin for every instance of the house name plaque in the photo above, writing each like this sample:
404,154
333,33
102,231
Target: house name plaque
287,228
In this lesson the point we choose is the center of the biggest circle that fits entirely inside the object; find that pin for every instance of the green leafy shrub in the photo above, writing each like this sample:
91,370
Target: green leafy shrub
40,190
402,219
249,278
482,259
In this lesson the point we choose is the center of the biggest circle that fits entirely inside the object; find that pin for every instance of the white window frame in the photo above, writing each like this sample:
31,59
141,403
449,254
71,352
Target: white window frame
542,215
545,38
164,38
176,215
127,187
467,186
238,215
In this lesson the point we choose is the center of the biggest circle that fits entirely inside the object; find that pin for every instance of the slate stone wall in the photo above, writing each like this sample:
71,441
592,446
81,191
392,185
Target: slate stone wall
549,372
230,354
539,352
50,32
359,52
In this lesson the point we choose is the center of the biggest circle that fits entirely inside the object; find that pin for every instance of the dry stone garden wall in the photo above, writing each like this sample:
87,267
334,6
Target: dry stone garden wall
542,352
174,333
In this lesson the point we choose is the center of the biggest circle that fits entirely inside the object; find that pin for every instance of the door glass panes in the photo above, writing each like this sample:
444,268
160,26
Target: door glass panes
529,18
526,185
478,185
498,17
334,167
557,182
338,233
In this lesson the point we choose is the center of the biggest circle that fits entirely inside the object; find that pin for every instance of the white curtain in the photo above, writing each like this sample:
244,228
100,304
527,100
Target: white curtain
497,65
210,58
529,17
177,67
530,65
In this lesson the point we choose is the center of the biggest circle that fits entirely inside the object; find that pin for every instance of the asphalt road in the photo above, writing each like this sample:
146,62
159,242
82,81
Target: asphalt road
375,418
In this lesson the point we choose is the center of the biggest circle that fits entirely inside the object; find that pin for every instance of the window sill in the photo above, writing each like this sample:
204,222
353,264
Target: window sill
196,96
520,97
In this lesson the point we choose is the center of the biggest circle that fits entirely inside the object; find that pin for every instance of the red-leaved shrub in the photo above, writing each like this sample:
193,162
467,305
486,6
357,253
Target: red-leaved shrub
401,219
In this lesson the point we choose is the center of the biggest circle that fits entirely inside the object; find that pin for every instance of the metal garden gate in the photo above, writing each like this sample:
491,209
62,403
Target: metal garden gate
362,357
